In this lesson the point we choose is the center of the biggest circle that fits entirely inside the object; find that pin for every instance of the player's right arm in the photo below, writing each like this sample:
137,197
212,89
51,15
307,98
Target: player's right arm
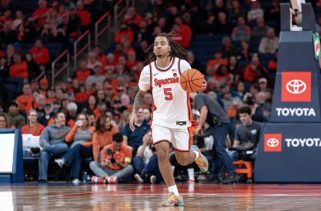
144,85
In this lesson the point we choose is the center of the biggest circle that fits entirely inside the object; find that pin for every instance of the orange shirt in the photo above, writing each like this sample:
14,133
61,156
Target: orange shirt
40,55
82,97
70,136
81,75
19,70
126,34
40,12
25,102
84,16
124,155
34,130
101,140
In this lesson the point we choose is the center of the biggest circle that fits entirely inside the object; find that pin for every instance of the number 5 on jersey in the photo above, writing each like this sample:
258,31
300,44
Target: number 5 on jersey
168,94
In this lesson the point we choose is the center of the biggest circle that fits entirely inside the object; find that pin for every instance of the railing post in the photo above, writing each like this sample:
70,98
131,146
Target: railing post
89,39
115,15
68,66
96,33
75,55
53,73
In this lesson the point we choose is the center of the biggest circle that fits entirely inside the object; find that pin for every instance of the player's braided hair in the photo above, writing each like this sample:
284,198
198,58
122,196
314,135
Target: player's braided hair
176,49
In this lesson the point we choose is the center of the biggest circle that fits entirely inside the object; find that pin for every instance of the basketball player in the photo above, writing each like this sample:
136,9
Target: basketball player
172,112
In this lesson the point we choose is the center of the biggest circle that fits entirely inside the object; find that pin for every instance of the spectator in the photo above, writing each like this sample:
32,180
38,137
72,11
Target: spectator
19,69
248,132
40,53
208,27
124,33
4,70
256,12
262,109
4,120
227,48
26,101
103,134
115,162
82,72
223,25
214,64
253,70
235,11
52,141
83,14
80,137
260,30
16,120
145,162
97,77
241,32
40,14
47,115
270,43
32,126
135,139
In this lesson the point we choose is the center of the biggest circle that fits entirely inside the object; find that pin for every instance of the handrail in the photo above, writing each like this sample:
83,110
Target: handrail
99,32
55,73
116,12
87,45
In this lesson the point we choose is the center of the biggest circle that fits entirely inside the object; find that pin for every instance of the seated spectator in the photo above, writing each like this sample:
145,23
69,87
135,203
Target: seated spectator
4,120
208,27
241,32
253,70
19,69
47,115
235,11
80,137
97,77
115,162
260,30
270,43
103,134
135,139
25,101
32,127
214,64
92,60
40,14
223,25
52,141
40,53
256,11
227,48
248,132
82,72
16,120
145,162
83,14
124,33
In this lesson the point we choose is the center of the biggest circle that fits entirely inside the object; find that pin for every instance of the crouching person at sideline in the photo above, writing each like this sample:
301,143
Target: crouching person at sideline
52,142
115,162
145,162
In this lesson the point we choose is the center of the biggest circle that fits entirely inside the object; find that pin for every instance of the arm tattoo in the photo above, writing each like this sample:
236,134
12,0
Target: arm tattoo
138,101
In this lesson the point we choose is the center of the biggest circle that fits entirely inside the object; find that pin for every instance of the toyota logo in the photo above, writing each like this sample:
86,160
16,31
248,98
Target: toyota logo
272,142
296,86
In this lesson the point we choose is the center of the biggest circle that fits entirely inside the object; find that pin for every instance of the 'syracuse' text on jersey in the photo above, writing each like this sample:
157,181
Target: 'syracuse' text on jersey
171,103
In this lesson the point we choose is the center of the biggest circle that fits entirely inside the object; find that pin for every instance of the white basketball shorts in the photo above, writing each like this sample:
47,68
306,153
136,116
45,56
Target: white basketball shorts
181,139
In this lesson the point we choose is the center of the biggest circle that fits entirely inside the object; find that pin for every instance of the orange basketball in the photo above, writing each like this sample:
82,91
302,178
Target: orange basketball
191,80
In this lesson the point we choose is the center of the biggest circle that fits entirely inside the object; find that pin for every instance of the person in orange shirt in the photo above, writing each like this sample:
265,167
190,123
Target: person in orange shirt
19,69
83,14
80,137
82,72
214,64
25,101
32,127
103,134
115,162
40,53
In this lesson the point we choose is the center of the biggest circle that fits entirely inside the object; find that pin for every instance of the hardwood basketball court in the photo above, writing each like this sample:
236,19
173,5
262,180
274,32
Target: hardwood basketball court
59,196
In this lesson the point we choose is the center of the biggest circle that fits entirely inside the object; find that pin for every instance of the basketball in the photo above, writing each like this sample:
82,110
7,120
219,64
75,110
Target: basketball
191,80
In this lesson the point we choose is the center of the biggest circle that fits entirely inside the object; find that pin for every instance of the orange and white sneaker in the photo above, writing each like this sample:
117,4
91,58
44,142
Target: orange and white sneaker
173,201
201,161
112,180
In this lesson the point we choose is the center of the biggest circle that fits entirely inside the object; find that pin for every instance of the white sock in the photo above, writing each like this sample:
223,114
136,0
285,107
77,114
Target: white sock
197,153
190,172
173,189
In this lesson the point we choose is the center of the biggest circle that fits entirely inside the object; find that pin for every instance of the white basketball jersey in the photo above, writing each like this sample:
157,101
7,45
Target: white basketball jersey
171,103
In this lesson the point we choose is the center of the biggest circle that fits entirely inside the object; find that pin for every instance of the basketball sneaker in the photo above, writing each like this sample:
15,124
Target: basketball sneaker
138,178
98,180
112,180
173,201
201,161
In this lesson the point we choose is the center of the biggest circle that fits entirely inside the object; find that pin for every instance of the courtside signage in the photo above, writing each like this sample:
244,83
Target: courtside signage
296,87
